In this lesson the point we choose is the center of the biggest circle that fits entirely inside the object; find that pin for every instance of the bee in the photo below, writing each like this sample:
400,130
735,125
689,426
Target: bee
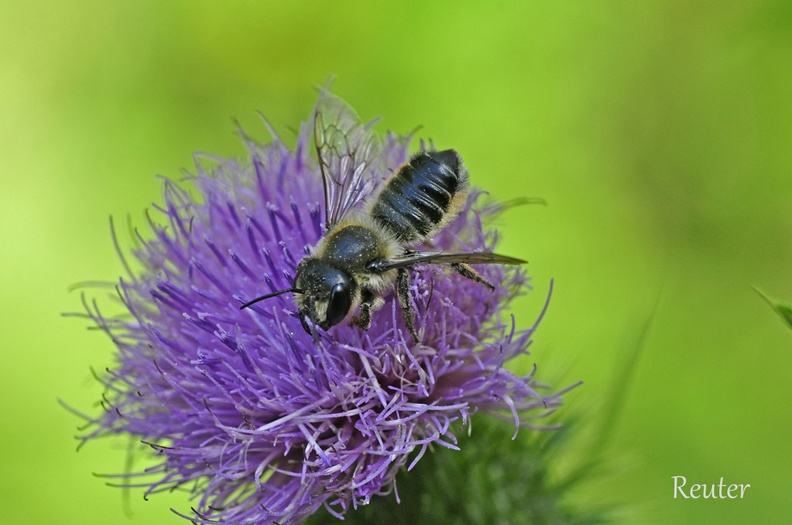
370,234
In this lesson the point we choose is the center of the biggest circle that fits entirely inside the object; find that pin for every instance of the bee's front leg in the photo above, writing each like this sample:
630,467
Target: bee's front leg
370,303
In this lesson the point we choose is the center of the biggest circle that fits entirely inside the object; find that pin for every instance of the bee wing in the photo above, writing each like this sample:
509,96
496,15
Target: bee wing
411,259
347,150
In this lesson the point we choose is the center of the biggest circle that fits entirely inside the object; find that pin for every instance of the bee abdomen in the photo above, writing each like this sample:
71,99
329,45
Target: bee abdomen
424,195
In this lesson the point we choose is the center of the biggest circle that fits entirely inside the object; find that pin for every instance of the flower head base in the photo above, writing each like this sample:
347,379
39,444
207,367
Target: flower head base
262,421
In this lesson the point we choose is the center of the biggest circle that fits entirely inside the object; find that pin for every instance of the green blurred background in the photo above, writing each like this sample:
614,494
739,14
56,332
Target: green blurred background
660,133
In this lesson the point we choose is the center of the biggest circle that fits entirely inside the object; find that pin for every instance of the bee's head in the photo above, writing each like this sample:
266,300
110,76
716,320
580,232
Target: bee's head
325,293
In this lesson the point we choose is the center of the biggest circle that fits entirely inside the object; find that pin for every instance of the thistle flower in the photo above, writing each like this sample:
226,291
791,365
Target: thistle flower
259,420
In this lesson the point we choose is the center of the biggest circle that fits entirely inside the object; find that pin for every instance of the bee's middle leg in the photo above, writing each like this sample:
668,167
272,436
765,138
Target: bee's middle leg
403,291
466,271
370,303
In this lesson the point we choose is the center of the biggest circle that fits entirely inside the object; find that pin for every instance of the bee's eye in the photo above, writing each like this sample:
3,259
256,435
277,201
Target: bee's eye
340,302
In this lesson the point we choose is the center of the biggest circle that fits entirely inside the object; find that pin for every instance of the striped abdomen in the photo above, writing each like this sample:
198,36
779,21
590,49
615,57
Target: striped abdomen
423,196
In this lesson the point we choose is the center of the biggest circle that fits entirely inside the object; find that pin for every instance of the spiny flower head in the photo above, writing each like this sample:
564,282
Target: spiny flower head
259,420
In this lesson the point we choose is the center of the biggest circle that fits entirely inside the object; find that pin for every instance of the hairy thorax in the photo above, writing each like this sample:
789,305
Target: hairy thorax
355,242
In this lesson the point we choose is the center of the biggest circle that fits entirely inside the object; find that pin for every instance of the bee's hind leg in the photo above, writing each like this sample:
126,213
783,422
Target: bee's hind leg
403,291
466,271
370,303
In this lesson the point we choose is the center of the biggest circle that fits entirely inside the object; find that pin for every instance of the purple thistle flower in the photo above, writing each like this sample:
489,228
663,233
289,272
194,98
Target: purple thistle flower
260,421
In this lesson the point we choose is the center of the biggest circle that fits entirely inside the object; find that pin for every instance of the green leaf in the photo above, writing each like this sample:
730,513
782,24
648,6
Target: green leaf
782,309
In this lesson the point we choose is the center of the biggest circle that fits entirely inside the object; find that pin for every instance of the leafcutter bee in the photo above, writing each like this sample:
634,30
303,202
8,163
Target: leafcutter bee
370,233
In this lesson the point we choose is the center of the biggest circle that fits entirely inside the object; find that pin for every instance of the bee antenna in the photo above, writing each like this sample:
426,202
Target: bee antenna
273,294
